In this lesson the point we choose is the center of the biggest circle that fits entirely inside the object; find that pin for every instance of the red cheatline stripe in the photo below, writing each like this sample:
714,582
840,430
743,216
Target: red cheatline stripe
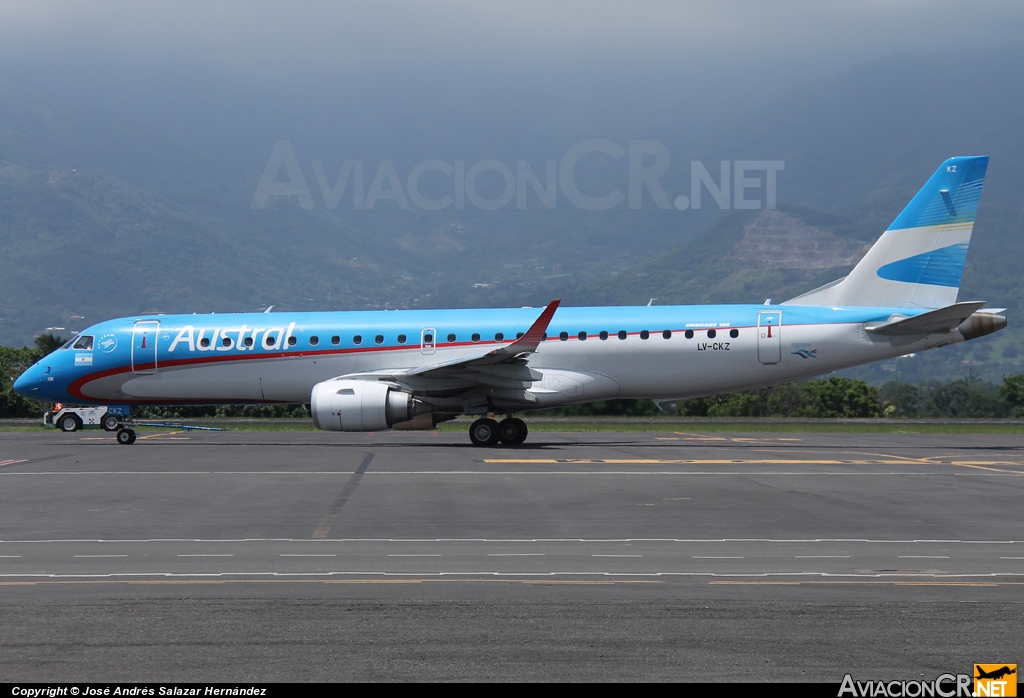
75,388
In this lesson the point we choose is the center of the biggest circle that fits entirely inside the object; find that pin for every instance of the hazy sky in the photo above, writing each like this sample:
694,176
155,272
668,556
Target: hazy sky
276,39
187,99
315,71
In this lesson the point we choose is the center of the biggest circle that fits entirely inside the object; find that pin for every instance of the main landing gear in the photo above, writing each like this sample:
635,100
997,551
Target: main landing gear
488,432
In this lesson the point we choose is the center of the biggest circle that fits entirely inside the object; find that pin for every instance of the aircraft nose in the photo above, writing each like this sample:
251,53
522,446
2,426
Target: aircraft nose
29,382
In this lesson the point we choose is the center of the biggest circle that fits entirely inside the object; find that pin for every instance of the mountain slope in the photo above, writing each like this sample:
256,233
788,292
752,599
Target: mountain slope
101,218
749,256
752,256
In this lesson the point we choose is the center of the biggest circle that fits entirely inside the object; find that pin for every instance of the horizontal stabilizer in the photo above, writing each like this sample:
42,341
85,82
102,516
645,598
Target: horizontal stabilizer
935,321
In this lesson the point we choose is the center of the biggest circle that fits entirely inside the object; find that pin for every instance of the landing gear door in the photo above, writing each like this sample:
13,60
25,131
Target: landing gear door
144,339
428,340
769,341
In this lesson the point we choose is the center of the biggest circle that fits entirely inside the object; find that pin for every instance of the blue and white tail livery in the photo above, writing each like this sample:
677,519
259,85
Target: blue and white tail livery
918,261
410,369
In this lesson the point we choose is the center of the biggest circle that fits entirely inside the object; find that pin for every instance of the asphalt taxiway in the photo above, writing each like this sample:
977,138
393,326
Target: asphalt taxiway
411,555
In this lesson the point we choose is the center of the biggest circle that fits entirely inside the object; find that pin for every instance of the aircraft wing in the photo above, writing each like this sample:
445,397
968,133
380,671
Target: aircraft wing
527,344
941,320
500,373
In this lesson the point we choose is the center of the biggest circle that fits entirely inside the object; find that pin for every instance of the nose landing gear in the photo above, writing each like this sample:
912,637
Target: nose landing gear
126,437
488,432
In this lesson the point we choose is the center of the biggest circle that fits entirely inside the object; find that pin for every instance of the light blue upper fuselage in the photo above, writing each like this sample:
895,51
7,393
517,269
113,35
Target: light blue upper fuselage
589,353
166,345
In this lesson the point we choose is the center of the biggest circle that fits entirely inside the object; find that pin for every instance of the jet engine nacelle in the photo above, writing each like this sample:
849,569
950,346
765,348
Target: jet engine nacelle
354,405
981,324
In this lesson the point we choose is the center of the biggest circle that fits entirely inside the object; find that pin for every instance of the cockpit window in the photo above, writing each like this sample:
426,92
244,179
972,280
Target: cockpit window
67,344
84,342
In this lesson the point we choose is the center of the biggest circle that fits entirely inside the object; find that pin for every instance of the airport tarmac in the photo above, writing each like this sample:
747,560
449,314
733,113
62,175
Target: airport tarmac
227,556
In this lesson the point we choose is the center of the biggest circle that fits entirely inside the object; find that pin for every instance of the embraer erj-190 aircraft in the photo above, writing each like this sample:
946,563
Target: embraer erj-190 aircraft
367,371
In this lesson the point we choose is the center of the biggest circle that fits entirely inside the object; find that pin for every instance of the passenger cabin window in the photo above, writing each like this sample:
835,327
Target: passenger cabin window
248,341
622,334
428,338
84,342
667,334
519,335
226,341
379,339
499,336
476,336
314,340
582,336
292,341
267,340
564,336
205,342
451,338
644,334
358,339
401,339
689,334
712,334
734,333
604,334
335,340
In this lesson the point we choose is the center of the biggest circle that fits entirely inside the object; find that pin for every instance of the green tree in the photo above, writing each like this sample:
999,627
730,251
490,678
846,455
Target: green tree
200,411
12,363
835,397
604,408
840,397
48,342
901,399
967,398
784,400
1012,390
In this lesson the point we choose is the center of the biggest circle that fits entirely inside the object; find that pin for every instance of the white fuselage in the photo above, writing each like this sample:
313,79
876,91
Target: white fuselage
709,349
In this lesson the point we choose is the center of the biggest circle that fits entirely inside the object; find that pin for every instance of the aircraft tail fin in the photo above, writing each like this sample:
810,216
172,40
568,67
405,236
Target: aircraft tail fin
919,260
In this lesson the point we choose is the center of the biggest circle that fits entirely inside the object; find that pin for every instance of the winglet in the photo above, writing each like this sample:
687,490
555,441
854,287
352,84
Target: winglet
527,344
535,335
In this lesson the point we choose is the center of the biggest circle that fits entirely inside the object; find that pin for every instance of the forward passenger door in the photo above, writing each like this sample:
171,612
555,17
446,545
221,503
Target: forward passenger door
144,341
